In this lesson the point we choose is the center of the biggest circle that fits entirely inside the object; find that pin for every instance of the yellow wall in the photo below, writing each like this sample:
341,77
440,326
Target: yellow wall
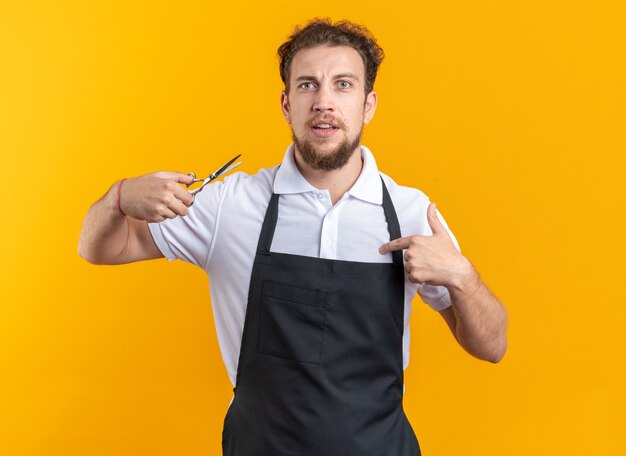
510,115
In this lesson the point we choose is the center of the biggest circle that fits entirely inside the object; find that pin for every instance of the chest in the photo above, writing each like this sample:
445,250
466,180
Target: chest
308,224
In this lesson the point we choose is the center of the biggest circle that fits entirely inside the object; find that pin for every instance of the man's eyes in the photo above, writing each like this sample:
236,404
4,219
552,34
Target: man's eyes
341,84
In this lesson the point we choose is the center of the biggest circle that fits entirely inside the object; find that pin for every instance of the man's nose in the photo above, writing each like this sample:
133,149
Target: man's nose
323,100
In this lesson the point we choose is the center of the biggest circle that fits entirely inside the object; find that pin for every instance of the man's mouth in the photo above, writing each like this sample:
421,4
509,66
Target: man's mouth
324,126
324,129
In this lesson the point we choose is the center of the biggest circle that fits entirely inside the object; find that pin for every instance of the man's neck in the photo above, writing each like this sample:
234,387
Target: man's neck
337,181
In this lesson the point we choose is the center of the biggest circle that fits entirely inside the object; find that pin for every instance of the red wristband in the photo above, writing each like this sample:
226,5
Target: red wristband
119,189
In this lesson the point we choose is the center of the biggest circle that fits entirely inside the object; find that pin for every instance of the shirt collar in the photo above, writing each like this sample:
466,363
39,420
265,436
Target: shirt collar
367,187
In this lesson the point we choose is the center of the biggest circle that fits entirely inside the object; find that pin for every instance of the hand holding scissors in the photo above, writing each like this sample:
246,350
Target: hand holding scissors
158,196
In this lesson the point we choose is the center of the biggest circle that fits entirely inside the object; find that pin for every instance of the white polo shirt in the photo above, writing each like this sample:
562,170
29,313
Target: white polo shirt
221,232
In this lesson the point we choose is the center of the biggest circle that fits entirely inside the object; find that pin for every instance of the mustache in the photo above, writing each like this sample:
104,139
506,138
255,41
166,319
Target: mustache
325,118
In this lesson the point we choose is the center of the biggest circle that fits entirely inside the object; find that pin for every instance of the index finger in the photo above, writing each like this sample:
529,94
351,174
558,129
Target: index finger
183,195
396,244
176,176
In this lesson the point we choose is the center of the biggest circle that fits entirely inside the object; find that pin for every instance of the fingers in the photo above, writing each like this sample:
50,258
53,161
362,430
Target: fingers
182,195
175,176
170,209
174,201
396,244
168,214
433,220
156,196
174,196
404,242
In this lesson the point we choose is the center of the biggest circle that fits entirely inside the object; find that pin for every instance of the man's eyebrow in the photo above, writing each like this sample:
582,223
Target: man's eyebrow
306,78
346,75
337,76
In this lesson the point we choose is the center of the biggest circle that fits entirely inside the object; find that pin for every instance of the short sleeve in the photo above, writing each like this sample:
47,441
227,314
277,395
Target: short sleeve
437,297
189,237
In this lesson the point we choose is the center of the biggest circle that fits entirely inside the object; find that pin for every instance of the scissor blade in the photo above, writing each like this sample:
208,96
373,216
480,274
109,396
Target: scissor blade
221,171
215,175
224,167
230,168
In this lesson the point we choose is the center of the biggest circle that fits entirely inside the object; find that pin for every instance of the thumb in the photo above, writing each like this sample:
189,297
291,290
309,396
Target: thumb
433,220
175,176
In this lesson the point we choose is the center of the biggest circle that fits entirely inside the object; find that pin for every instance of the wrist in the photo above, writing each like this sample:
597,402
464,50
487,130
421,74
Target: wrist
118,196
110,200
465,279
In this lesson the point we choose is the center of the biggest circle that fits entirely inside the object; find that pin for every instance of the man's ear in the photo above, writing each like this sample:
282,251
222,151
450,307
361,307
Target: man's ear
371,100
284,105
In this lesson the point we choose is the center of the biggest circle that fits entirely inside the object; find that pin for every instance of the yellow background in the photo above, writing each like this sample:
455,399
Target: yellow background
510,115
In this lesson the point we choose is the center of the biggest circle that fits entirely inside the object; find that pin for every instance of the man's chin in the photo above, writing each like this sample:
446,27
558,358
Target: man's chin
323,150
326,154
327,159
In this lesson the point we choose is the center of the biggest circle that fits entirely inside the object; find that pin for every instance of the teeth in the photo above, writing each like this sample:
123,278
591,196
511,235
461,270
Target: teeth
324,126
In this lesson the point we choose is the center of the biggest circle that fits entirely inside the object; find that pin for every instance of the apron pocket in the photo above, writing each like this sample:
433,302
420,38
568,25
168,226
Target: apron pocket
292,322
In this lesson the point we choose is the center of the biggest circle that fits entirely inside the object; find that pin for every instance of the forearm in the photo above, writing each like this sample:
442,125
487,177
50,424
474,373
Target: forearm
481,320
105,232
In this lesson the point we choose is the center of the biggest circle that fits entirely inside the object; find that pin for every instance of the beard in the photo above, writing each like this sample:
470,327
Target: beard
333,160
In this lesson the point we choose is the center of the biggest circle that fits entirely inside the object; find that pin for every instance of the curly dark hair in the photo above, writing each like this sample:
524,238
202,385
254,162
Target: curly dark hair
321,31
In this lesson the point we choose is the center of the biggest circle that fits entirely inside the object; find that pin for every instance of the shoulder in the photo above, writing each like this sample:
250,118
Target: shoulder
401,192
242,183
263,177
237,189
411,205
249,190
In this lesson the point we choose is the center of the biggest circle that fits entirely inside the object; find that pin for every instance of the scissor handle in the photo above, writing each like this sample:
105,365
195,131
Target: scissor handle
222,171
196,190
195,179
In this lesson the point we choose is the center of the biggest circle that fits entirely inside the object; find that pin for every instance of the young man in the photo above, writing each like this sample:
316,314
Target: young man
311,292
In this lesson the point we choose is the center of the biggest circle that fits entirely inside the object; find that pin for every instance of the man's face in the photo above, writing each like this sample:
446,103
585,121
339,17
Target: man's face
327,106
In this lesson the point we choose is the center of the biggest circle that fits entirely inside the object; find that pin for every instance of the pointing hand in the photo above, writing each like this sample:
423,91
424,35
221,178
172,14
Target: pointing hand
431,260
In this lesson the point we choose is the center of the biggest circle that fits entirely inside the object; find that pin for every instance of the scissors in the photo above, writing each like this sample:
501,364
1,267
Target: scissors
227,167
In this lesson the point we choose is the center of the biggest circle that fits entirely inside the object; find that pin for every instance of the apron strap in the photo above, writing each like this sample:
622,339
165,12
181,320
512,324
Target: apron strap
269,226
271,217
393,226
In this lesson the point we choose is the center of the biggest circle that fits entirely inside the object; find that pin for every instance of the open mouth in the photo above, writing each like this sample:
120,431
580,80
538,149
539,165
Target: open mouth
324,129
